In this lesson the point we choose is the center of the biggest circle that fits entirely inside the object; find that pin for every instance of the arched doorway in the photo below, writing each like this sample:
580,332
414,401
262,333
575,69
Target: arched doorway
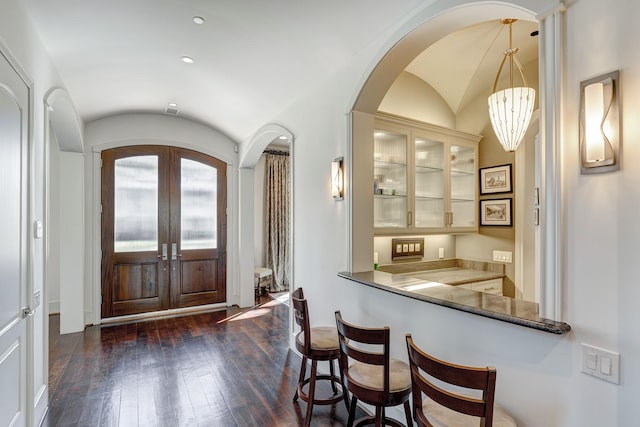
249,157
385,72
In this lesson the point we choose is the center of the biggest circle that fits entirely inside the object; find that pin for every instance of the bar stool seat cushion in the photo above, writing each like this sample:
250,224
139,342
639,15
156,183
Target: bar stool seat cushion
371,376
322,338
441,416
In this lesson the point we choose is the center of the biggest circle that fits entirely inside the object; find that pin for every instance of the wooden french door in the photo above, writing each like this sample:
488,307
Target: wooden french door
163,229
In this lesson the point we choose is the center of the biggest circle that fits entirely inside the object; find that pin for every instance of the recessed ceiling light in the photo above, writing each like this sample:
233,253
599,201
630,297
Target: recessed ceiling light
282,137
187,59
172,109
198,20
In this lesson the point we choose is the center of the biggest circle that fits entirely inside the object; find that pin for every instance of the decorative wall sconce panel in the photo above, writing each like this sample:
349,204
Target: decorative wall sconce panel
337,179
600,133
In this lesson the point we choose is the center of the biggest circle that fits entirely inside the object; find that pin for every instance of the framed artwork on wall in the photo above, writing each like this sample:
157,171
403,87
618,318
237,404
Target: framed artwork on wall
495,212
495,179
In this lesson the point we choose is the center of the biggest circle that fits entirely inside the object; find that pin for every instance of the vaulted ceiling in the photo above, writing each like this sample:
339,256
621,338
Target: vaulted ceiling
252,58
464,64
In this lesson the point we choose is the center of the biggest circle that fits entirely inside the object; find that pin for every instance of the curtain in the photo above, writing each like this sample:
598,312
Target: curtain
277,208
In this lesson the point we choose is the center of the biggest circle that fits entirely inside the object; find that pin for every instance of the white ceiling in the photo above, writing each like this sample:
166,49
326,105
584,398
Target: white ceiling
253,58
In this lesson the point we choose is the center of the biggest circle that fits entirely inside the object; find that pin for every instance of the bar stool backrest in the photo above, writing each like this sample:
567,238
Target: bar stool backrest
483,379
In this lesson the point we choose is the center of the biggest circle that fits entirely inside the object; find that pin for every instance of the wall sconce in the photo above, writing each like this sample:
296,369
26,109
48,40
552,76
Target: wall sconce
337,179
600,136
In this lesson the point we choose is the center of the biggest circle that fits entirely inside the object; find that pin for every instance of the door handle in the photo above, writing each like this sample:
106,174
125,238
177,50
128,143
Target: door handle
174,252
164,254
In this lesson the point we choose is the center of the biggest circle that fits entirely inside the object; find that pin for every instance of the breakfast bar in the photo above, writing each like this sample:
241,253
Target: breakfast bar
524,313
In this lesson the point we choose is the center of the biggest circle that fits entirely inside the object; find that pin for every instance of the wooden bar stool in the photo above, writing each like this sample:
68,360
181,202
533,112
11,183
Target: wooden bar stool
371,375
448,408
316,344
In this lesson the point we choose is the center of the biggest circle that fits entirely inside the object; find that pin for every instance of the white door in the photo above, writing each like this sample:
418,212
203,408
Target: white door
14,122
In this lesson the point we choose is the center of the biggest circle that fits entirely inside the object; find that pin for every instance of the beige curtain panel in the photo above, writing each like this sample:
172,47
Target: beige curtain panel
277,208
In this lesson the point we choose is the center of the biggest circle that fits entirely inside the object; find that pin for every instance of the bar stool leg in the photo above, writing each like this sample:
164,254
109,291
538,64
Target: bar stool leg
352,411
303,371
332,372
311,394
379,416
407,413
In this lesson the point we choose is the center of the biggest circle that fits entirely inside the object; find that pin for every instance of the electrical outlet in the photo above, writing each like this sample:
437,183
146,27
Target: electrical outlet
600,363
503,256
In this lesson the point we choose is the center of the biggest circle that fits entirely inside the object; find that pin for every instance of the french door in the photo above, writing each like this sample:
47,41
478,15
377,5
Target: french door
163,229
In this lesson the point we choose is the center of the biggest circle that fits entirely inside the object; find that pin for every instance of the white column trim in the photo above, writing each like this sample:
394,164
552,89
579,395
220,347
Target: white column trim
552,241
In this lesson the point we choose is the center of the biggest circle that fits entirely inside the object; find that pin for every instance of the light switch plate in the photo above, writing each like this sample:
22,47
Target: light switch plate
503,256
600,363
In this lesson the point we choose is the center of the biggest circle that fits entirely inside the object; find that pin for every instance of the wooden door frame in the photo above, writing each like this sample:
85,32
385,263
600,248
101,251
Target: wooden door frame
168,272
94,164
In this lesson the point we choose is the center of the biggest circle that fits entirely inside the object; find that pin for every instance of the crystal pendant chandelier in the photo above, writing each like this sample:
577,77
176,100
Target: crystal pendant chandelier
510,109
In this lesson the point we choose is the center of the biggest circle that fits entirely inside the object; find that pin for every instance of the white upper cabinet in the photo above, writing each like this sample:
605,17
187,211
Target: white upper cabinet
425,178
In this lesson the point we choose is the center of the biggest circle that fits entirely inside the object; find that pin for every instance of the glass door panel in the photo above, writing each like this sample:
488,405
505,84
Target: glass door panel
463,186
429,183
390,179
198,205
136,204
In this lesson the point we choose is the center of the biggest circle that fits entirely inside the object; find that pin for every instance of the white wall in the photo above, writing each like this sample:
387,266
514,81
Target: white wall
71,244
538,373
53,231
158,129
19,36
258,213
602,230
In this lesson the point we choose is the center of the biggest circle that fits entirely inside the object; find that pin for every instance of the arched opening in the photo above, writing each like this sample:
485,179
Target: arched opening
375,88
64,207
251,235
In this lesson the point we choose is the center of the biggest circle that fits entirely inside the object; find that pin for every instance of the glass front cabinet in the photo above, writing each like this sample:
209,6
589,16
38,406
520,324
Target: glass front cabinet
425,178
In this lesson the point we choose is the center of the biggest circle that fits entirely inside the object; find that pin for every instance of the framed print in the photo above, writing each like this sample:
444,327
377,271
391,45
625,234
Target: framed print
495,212
496,179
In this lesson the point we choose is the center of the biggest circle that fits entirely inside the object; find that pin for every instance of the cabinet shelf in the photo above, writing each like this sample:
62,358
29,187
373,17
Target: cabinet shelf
428,169
436,170
387,164
462,173
429,198
389,196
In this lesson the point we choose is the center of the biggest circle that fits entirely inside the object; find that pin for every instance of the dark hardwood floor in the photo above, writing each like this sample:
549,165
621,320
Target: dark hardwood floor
224,368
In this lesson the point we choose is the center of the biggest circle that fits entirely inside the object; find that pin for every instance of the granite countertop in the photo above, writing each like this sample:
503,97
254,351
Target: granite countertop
498,307
454,275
